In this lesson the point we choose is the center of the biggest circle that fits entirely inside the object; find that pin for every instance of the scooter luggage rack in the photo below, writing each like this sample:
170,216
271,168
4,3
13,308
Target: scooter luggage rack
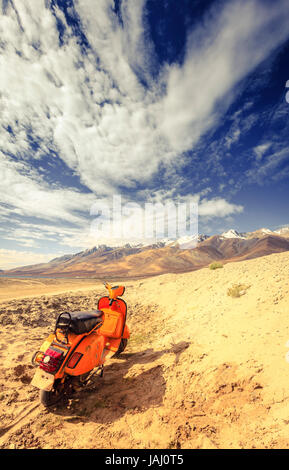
33,359
64,328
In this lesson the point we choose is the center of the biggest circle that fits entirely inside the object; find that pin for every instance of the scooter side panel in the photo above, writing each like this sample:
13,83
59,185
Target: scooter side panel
112,344
91,347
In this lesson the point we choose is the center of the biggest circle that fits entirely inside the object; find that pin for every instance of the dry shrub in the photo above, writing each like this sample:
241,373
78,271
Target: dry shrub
215,265
237,290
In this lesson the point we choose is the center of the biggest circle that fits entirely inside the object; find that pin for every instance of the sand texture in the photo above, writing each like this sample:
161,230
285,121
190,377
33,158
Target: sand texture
202,369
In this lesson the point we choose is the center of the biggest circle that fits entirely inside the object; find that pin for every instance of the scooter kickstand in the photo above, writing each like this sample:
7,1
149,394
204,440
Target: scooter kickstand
101,368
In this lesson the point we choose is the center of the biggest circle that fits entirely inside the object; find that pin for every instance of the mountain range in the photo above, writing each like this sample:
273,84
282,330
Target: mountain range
166,256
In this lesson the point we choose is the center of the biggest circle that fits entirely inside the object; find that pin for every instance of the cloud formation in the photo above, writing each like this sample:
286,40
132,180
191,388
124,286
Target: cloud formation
103,112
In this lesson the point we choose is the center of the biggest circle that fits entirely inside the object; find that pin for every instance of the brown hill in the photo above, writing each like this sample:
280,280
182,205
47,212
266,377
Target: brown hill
139,261
237,248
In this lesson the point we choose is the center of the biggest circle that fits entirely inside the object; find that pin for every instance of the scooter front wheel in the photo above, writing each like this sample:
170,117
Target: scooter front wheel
121,348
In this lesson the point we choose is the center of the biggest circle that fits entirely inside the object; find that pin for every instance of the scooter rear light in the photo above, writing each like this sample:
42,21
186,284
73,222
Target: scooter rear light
74,360
51,360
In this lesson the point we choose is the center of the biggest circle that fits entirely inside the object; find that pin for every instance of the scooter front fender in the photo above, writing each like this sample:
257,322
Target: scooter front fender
126,332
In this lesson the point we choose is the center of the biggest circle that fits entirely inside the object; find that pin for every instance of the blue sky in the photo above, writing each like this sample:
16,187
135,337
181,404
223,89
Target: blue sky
155,100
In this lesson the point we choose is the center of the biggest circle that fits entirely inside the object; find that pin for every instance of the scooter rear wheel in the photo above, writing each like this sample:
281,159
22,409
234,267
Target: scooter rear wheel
52,397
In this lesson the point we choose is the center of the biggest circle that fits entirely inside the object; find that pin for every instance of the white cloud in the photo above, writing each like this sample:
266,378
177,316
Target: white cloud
220,52
93,110
270,167
102,119
12,258
218,207
23,191
232,138
261,149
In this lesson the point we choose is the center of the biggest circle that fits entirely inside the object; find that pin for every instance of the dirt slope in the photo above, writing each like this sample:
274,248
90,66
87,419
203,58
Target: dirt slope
202,370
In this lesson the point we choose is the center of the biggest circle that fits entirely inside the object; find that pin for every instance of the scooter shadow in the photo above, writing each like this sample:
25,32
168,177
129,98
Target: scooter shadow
106,399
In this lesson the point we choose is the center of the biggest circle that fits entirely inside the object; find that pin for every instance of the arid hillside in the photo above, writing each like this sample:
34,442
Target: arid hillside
144,261
203,369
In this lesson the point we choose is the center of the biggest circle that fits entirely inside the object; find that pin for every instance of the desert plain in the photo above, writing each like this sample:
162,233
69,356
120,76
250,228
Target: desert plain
203,369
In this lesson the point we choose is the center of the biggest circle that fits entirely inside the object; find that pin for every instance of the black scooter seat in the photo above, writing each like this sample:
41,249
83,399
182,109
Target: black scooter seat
79,322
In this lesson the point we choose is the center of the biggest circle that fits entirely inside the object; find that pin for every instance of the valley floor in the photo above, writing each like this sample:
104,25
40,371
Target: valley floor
202,369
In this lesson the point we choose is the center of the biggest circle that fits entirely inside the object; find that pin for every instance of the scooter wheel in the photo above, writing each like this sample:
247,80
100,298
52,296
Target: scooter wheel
52,397
121,348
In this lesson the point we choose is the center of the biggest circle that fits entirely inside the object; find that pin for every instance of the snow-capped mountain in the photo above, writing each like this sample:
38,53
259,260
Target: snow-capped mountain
161,256
185,242
233,234
188,242
282,230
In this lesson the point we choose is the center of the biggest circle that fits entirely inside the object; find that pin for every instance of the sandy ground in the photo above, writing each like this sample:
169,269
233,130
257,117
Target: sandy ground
22,288
202,369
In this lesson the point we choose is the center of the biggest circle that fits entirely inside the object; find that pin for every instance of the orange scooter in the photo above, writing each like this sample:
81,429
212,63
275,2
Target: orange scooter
79,346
